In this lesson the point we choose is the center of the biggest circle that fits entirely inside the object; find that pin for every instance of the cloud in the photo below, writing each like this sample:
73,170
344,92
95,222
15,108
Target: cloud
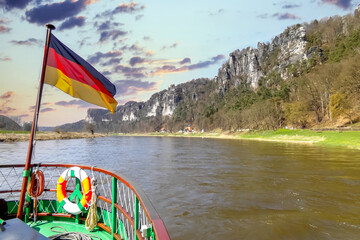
169,68
11,4
107,25
205,63
55,11
23,115
83,41
29,42
185,60
218,58
111,61
123,101
113,34
47,110
4,59
4,29
73,22
160,62
134,87
150,53
174,45
138,17
108,30
98,56
217,12
31,108
263,16
279,16
5,99
135,48
136,60
7,95
106,73
288,6
172,69
128,8
3,21
285,16
6,110
344,4
72,103
130,72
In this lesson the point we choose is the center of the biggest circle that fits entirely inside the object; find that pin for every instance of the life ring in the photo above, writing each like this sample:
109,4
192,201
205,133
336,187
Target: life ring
86,187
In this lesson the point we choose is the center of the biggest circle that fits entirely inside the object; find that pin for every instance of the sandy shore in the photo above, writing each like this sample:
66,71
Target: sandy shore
16,137
291,139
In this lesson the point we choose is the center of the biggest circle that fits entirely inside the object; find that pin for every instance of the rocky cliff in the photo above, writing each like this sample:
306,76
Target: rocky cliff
249,65
160,105
245,66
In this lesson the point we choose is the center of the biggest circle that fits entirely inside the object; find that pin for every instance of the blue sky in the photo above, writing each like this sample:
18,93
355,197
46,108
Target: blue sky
142,47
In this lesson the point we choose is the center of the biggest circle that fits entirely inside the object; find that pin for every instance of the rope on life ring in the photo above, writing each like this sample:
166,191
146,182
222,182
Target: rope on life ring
37,184
67,205
36,187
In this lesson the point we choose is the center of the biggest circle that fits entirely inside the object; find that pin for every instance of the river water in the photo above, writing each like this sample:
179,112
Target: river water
226,189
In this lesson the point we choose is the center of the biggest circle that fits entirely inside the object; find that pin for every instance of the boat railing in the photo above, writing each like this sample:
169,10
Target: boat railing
123,209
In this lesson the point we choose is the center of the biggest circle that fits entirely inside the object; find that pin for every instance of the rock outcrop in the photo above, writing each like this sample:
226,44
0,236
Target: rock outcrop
249,65
245,66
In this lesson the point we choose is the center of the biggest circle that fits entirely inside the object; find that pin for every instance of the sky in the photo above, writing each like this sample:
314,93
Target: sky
142,47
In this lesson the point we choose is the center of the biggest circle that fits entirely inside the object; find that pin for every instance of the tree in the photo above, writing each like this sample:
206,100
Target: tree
90,128
27,126
340,105
296,113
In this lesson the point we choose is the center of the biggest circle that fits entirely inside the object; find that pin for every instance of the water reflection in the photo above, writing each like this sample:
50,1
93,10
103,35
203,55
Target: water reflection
229,189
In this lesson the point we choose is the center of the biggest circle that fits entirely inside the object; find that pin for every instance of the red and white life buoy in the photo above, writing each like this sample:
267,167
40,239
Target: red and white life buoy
69,206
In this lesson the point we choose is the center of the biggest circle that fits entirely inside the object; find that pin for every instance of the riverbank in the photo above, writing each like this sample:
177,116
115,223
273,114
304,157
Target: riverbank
17,136
348,139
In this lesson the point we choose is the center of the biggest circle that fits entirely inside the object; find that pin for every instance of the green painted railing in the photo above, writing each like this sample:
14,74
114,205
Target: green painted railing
123,212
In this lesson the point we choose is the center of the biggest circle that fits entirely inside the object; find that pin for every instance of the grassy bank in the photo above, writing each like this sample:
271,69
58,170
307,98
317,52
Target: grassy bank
16,136
349,139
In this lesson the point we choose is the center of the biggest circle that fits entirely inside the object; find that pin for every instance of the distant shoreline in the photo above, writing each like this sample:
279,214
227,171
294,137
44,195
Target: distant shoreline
9,136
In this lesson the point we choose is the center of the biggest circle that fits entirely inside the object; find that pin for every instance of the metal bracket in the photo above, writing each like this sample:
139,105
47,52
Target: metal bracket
26,173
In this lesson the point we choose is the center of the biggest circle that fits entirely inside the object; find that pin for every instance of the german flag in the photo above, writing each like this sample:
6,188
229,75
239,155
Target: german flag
70,73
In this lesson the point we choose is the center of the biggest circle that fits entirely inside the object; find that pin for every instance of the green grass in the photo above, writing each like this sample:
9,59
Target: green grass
350,139
325,138
18,132
15,132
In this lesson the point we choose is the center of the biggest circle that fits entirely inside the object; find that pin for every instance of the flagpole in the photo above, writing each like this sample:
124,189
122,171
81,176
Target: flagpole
26,172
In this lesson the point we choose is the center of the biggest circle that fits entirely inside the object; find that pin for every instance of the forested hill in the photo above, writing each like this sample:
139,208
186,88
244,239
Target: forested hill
307,76
7,123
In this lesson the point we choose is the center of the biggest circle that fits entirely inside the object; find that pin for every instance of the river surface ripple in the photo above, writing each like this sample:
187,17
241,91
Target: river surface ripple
226,189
